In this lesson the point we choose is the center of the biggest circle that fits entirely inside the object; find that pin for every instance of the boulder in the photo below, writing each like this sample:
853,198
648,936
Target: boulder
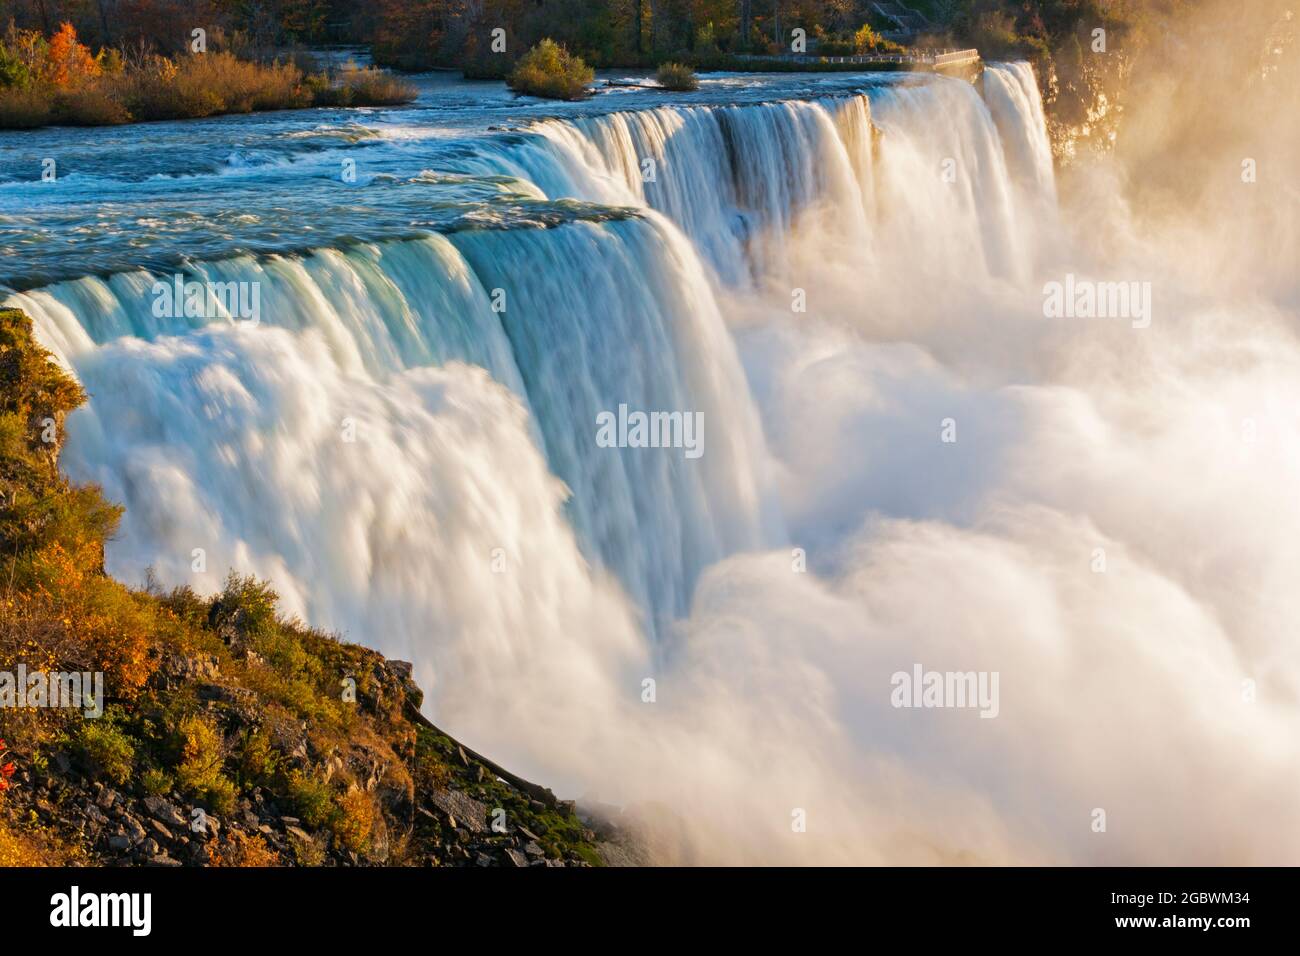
163,810
467,811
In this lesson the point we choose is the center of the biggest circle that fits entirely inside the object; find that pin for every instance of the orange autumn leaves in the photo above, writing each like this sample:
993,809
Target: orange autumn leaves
62,61
58,609
71,616
69,63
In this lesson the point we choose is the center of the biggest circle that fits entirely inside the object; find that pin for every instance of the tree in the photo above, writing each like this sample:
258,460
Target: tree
70,63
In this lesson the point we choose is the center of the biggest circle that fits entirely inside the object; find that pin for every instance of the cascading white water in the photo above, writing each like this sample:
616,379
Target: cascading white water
596,315
746,183
1011,92
592,315
538,580
736,179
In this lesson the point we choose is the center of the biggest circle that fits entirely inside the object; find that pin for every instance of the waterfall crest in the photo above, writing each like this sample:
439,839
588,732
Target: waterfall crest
225,436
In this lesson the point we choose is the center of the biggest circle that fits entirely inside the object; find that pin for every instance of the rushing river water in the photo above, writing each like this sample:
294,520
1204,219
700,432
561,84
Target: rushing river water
840,275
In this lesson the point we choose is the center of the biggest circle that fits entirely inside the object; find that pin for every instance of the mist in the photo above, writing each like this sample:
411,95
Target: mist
918,468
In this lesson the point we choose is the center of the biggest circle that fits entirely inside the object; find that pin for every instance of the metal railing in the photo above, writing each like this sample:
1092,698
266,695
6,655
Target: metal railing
923,57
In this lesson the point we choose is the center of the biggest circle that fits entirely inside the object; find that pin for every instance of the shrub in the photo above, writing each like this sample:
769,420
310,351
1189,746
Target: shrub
430,770
355,820
25,108
34,847
13,71
311,798
677,76
219,795
308,852
549,70
866,39
58,81
373,87
258,762
106,749
248,604
157,782
245,851
60,603
201,754
91,106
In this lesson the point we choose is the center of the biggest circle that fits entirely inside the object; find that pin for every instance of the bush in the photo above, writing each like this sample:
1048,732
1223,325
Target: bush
219,795
548,70
355,820
677,76
90,106
13,71
36,847
373,87
247,604
259,764
201,754
156,782
25,108
309,852
58,81
245,851
311,798
106,749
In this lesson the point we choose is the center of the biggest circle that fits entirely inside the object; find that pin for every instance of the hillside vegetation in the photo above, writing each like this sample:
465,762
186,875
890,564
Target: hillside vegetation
229,735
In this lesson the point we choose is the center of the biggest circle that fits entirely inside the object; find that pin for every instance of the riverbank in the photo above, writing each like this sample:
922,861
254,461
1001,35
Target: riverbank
58,82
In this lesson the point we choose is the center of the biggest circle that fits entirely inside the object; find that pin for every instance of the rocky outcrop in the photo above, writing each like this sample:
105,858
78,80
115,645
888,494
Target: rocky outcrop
463,814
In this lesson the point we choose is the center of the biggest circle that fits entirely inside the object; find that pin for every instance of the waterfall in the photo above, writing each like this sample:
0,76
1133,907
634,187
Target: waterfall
408,415
1011,92
195,427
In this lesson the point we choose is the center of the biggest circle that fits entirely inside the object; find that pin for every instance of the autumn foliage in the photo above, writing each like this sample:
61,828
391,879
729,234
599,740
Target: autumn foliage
68,63
59,611
58,80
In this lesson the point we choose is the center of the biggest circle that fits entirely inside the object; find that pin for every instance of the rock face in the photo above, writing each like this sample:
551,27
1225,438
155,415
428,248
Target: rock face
435,804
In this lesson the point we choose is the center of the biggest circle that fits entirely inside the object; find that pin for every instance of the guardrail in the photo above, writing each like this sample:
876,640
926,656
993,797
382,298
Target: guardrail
922,58
955,56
